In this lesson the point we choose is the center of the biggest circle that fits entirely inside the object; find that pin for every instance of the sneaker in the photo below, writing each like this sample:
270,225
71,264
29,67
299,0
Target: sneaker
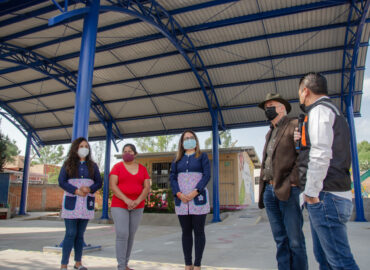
80,267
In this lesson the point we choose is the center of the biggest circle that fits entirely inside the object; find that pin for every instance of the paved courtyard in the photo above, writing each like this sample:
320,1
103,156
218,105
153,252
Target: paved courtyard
239,242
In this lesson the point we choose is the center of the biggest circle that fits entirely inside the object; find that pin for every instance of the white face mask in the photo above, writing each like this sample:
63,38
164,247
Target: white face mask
83,152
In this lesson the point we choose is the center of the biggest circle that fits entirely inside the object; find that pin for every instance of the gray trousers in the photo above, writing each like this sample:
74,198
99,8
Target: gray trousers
126,223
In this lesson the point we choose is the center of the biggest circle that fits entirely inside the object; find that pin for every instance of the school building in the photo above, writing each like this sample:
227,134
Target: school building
236,179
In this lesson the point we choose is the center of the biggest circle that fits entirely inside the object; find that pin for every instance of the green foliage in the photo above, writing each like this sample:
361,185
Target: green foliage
8,150
51,154
170,202
155,144
53,175
363,149
225,137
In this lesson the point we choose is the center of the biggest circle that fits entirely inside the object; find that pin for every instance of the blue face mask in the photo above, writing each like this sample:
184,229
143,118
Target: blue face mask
189,144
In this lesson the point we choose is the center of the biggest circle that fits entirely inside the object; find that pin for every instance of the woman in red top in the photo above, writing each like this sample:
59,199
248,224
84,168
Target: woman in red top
130,183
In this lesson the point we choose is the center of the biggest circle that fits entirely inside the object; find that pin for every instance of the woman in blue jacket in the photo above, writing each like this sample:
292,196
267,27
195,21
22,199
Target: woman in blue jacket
80,178
190,174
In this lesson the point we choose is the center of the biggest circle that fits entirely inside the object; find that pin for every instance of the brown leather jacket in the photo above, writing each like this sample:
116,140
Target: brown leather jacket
284,161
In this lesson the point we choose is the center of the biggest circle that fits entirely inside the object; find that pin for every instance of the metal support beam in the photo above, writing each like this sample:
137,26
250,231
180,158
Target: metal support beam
167,94
350,56
155,15
355,165
106,171
216,171
26,164
19,122
176,72
85,72
170,114
39,63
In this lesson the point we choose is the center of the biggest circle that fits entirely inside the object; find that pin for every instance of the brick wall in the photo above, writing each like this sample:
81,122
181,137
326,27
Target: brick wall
46,197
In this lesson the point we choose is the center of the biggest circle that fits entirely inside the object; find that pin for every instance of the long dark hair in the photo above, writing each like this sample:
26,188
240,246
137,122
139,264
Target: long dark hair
71,163
180,148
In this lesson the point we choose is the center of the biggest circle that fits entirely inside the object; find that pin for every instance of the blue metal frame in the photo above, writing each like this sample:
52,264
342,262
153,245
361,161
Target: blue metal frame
13,6
26,167
37,62
242,19
216,163
233,21
106,171
350,55
166,94
148,38
155,15
85,69
101,29
21,129
248,61
177,113
19,121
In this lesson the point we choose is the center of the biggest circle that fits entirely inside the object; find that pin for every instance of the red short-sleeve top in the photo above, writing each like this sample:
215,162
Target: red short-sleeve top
130,184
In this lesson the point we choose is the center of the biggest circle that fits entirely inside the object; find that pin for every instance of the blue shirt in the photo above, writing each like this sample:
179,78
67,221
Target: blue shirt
189,163
83,172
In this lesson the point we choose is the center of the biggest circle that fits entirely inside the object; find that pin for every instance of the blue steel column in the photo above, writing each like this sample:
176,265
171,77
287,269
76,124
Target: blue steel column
106,171
355,167
85,72
215,154
26,167
350,117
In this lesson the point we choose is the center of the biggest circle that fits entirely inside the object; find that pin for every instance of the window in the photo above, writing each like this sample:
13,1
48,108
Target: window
257,180
161,174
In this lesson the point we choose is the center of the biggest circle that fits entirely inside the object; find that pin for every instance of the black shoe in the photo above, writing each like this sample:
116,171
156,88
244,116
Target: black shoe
80,267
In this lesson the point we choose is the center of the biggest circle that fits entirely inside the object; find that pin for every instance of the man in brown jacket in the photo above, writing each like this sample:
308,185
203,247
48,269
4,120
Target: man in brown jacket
279,191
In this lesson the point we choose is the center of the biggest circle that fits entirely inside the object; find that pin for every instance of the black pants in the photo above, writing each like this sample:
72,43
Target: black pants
190,223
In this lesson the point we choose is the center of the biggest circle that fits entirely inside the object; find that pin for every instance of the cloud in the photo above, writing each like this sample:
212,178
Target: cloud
366,88
362,129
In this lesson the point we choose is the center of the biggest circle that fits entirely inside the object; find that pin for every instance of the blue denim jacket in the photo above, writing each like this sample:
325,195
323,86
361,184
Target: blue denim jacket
83,172
191,164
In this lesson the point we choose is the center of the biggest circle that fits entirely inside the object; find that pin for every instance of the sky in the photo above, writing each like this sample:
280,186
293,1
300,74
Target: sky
245,137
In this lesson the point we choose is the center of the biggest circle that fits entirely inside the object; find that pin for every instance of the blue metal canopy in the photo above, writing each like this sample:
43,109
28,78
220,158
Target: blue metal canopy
163,67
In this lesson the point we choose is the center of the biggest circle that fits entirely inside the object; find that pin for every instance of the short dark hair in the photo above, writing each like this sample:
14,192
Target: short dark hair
315,82
131,146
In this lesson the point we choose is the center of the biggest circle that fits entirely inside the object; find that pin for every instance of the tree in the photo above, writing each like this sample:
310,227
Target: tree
225,137
53,175
8,150
98,153
363,149
51,154
156,144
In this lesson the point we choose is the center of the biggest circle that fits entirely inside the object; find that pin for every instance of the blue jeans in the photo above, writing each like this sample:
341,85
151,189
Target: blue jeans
74,237
286,223
328,220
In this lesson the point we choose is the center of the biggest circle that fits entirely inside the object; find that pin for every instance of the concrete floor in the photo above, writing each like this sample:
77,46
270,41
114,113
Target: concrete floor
239,242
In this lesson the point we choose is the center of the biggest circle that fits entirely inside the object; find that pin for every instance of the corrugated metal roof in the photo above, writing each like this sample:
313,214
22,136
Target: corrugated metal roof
249,48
